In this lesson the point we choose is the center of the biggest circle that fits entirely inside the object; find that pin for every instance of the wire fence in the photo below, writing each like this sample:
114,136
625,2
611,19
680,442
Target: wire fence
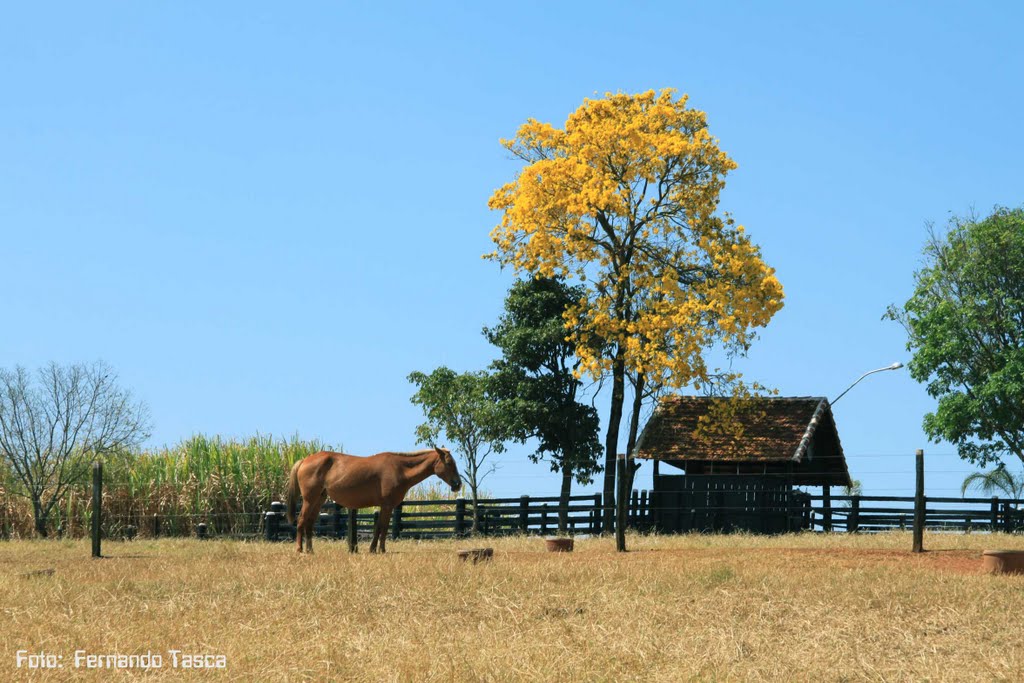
129,511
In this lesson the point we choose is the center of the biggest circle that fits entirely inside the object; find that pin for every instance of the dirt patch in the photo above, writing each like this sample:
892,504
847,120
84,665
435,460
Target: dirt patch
956,561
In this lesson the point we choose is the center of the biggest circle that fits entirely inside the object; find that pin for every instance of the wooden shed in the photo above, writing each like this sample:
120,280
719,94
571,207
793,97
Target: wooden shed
742,477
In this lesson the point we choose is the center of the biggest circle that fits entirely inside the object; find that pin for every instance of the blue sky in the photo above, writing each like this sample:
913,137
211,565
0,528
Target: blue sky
264,217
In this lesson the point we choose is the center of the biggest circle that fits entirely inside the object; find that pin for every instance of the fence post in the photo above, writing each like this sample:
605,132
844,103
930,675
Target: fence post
645,509
853,520
544,519
273,520
97,506
826,507
156,525
343,523
396,522
478,514
336,525
634,504
789,497
269,525
460,516
595,520
524,513
352,521
995,513
919,502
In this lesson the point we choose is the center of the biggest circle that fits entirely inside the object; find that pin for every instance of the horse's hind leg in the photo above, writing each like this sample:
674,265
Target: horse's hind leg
311,503
311,520
385,522
376,535
380,529
300,526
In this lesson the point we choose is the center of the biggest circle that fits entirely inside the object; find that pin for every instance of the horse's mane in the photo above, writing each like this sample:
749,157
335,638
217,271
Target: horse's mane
412,453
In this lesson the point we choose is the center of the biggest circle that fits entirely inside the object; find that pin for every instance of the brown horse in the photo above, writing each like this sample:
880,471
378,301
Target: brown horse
355,482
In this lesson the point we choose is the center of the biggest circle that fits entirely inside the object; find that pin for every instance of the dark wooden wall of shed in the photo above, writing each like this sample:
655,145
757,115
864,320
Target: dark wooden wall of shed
725,503
826,460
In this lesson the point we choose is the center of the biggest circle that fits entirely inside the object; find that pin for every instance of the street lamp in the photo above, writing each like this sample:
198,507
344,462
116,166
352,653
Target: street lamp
895,366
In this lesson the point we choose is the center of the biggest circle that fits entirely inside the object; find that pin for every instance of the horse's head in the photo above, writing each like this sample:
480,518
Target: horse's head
446,469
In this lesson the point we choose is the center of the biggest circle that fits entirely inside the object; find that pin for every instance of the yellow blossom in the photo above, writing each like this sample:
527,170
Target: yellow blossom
625,197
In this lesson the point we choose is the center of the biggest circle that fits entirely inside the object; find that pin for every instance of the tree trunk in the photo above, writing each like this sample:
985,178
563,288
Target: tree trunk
611,442
473,525
622,501
473,497
40,517
634,428
625,467
563,496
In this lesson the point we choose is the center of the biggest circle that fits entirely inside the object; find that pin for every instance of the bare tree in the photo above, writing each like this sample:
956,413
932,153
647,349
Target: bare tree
52,426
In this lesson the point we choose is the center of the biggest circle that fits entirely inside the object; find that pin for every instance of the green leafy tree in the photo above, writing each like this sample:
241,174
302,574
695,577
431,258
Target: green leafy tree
536,387
965,322
459,408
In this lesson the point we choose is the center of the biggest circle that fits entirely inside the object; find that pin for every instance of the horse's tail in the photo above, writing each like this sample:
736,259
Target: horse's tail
293,492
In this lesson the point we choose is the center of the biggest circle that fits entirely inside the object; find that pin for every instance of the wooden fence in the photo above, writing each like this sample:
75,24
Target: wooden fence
727,503
645,512
454,518
882,513
817,512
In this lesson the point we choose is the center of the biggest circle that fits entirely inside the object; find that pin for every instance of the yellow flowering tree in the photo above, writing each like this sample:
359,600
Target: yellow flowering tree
625,198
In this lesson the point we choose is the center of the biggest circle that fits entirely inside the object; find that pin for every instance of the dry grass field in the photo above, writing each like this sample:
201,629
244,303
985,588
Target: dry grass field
703,608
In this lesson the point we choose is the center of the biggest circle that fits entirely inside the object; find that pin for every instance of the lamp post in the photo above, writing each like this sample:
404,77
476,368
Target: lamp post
825,493
895,366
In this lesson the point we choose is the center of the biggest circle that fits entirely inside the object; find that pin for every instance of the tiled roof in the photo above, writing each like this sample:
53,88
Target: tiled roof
770,428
